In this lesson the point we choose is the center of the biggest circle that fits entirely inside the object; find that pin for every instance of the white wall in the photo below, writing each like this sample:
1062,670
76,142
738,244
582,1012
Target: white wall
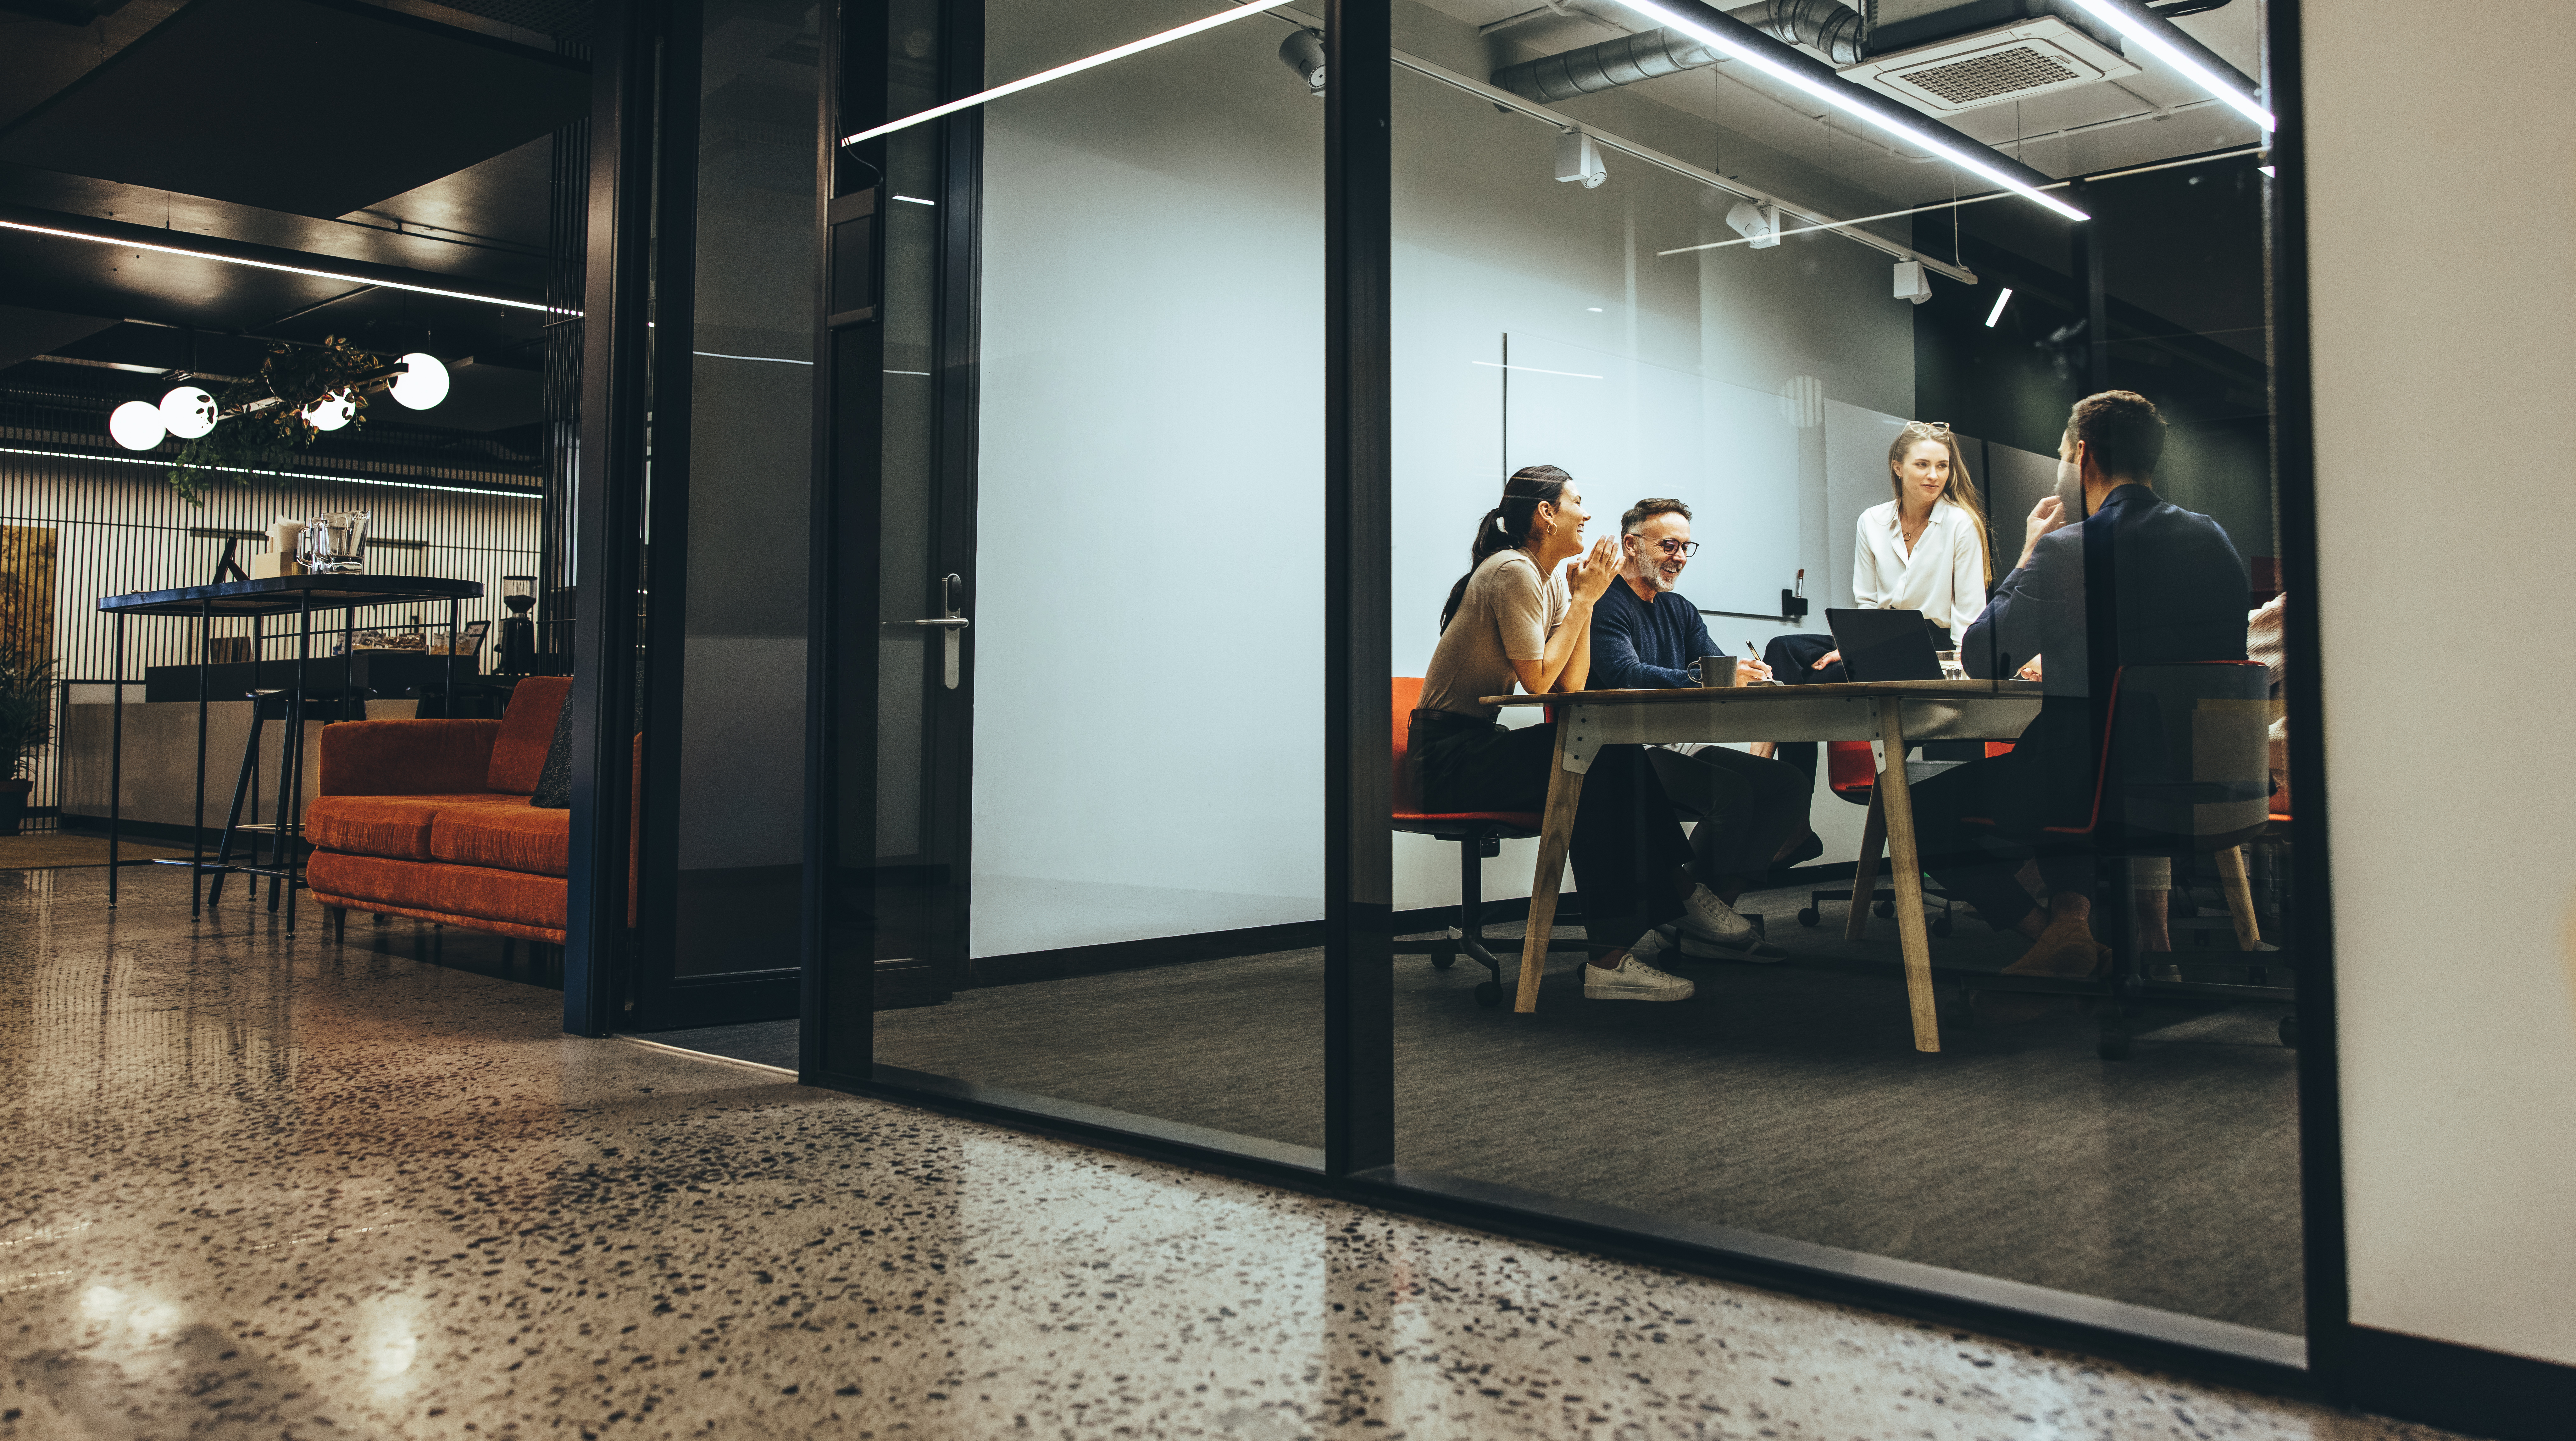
2444,350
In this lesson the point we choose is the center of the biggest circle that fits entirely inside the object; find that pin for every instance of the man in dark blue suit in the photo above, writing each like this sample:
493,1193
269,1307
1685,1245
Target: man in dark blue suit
2110,575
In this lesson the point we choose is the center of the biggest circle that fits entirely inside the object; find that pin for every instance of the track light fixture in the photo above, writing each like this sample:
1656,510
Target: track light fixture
1911,283
1758,221
1303,52
1578,158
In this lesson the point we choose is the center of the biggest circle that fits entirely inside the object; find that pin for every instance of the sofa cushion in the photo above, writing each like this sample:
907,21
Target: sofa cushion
501,895
504,833
397,827
381,879
527,731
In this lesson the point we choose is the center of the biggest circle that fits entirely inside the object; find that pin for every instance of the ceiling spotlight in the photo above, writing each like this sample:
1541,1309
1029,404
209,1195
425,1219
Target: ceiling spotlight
189,412
1303,52
422,384
1758,221
331,411
1911,283
1577,158
1998,312
137,425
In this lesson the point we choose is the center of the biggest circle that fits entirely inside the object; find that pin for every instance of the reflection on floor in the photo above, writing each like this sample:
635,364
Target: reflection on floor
1786,1100
267,1187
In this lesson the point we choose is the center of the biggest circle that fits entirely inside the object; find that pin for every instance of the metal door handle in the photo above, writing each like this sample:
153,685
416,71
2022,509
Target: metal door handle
951,622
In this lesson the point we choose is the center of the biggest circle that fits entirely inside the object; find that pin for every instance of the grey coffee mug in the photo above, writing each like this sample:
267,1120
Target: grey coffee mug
1716,670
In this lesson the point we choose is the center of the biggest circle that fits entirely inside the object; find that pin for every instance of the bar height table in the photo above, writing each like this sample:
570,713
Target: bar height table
297,595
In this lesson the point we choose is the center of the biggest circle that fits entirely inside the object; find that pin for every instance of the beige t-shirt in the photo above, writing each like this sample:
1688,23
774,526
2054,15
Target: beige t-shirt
1508,614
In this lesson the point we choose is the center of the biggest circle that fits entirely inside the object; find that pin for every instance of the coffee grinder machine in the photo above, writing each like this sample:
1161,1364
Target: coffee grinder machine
518,632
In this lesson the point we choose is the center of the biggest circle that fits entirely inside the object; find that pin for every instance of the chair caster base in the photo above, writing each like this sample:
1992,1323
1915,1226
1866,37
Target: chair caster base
1883,909
1809,916
1489,995
2290,1032
1442,960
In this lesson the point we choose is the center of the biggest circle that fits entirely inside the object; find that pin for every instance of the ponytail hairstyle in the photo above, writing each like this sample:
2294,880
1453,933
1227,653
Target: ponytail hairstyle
1961,491
1507,526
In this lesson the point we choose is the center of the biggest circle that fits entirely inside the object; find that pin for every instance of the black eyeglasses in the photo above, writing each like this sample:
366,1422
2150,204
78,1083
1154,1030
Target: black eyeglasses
1683,548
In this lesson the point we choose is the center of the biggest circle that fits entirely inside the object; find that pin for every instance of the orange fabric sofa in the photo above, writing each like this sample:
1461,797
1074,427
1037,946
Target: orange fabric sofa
430,819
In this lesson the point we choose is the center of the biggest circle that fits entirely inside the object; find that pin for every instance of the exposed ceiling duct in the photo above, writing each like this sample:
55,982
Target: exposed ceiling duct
1825,26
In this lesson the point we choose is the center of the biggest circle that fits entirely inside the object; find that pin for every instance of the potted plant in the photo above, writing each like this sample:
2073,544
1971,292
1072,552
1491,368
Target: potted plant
26,724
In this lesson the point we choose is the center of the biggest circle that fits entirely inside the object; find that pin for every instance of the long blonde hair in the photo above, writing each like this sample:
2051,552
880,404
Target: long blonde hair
1961,491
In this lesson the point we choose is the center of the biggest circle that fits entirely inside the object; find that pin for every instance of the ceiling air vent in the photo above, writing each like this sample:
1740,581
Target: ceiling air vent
2014,62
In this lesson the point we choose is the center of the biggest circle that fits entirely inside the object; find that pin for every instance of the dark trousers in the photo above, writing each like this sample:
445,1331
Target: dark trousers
1625,844
1792,659
1747,808
2042,781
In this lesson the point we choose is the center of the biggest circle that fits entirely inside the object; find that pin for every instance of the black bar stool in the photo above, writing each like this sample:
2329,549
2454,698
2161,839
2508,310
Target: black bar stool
319,704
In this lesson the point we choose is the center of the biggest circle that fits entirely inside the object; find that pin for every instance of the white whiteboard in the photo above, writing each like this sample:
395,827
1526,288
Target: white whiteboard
1627,429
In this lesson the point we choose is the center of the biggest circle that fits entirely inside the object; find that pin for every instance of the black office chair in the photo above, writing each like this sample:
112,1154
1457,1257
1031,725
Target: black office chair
2184,769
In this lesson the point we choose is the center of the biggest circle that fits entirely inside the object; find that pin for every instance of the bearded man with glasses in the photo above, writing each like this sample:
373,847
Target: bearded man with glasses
1749,809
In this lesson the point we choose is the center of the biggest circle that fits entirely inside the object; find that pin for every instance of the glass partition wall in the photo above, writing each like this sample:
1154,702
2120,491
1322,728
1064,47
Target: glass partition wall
1094,788
1985,990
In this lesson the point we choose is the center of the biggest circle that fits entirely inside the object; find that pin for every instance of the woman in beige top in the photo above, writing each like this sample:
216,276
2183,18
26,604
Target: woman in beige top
1514,620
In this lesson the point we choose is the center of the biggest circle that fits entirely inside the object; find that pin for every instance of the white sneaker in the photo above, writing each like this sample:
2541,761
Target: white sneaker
1710,919
1634,980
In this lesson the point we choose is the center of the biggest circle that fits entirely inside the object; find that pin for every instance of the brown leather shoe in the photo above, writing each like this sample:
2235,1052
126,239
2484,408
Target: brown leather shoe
2067,950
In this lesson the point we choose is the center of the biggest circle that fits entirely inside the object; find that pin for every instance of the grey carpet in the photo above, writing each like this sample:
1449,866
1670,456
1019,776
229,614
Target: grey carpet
1785,1100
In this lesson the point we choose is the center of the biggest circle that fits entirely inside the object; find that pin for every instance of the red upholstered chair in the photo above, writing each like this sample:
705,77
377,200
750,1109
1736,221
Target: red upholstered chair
1478,834
1851,772
2183,769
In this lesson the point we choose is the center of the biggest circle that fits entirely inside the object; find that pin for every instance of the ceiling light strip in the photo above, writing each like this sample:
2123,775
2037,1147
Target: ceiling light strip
1695,21
165,463
1973,199
2169,43
272,265
1133,47
2001,300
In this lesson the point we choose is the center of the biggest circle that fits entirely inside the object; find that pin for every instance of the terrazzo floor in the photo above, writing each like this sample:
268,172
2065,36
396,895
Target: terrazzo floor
259,1187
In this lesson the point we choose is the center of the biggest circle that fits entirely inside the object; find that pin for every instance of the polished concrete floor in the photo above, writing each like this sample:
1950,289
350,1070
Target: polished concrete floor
258,1187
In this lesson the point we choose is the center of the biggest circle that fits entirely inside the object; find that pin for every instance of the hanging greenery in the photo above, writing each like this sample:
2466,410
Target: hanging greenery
264,421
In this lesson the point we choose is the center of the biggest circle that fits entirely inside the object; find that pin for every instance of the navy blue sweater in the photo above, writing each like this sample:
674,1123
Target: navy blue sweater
1636,646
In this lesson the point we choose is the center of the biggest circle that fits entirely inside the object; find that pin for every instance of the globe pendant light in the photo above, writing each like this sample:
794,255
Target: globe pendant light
137,425
331,411
422,384
189,412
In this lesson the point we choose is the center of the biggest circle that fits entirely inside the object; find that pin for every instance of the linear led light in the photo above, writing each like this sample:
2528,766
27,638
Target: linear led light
1998,312
2149,31
273,265
1849,103
1132,47
164,464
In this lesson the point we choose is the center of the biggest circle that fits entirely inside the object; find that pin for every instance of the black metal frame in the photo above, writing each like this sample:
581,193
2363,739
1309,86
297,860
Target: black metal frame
1356,1163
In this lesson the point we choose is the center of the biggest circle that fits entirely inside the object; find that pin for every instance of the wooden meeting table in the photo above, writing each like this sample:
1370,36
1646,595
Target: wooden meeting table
1897,714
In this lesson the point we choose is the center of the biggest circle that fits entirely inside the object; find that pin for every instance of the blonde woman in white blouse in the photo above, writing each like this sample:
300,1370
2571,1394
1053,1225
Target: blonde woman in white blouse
1923,550
1926,549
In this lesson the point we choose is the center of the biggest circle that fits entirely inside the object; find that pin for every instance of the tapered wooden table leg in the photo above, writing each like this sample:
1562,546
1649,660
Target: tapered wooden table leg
1907,867
2240,897
1873,834
1556,827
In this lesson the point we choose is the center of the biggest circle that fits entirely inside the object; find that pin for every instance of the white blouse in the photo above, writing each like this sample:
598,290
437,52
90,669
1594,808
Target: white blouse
1944,577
